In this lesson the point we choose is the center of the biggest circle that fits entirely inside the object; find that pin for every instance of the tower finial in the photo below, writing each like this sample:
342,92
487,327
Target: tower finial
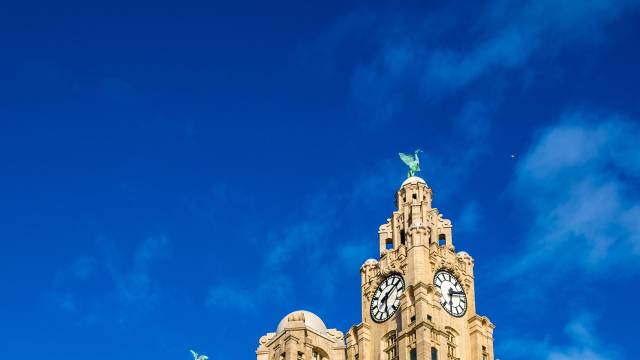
413,162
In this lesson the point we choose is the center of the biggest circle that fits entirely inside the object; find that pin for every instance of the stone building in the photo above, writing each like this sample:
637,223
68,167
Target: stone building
418,298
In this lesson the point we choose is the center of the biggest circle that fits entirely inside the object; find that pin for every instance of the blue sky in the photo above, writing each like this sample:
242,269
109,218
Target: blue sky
165,167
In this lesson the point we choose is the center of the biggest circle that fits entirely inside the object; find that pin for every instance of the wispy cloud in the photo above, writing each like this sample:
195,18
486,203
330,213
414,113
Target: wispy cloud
579,181
412,56
81,268
104,287
291,248
135,290
303,244
75,273
300,238
454,160
583,344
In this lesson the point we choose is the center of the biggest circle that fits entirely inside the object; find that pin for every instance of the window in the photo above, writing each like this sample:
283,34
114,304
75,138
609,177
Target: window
429,317
415,196
402,237
451,346
434,353
357,356
318,354
442,240
413,318
389,244
413,355
391,340
484,353
451,352
300,356
283,356
391,346
391,354
450,337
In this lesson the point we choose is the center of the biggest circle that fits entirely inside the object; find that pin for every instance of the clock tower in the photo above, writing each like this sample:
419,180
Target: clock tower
418,298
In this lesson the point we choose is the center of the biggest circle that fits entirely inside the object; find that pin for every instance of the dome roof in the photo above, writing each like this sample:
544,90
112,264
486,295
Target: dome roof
413,180
310,319
370,262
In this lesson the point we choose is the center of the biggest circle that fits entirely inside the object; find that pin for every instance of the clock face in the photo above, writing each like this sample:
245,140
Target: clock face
386,299
452,296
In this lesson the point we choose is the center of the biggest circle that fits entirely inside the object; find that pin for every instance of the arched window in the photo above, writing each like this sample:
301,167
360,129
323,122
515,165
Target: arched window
388,244
451,345
442,239
413,355
318,354
434,353
390,346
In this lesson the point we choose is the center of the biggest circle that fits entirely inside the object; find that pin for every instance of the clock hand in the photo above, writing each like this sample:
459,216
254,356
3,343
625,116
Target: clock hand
383,300
391,305
456,293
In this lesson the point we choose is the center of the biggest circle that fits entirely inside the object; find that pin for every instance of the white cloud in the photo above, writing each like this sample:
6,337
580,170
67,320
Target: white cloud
579,181
83,267
299,247
269,288
305,238
104,287
135,290
151,249
583,344
406,54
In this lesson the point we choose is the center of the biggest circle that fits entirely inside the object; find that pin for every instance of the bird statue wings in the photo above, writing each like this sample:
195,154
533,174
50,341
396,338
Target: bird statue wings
200,357
413,162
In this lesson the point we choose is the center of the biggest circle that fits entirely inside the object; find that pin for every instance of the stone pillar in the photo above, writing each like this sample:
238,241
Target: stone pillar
364,343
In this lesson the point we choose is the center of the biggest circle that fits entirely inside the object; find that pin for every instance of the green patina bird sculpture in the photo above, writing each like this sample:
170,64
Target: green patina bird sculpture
198,357
413,162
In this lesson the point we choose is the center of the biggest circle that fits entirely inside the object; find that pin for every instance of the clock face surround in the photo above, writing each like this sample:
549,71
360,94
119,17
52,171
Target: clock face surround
386,299
452,296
